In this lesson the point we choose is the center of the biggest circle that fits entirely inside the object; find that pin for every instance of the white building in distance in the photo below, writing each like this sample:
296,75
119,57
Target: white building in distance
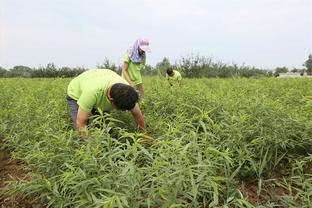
293,74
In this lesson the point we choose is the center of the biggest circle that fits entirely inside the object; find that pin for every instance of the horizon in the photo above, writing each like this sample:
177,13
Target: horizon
153,66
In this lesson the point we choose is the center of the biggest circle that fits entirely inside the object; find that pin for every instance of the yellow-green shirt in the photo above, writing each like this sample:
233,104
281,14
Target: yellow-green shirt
176,76
90,88
134,70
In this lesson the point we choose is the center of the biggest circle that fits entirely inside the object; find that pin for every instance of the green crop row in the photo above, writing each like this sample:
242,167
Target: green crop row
210,137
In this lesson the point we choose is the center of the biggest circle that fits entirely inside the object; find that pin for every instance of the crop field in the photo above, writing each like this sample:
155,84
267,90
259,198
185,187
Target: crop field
216,143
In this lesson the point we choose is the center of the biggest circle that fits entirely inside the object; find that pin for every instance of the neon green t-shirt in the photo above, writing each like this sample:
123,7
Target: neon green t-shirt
134,70
176,76
90,88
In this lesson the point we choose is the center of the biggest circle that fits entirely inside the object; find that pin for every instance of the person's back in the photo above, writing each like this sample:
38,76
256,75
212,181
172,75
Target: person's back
176,76
89,88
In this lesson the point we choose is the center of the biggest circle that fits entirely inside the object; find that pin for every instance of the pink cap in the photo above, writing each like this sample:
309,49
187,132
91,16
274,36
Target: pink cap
144,45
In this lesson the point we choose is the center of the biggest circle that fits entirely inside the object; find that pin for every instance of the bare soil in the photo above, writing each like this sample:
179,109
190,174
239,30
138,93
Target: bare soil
269,192
12,170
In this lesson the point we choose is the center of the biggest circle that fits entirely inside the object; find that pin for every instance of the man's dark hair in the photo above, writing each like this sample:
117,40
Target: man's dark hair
169,71
124,96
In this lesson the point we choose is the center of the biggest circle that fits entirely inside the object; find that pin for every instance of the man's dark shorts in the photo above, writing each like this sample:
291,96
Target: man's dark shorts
72,108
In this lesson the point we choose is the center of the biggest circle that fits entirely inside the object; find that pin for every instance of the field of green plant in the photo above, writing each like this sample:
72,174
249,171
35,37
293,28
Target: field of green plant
216,143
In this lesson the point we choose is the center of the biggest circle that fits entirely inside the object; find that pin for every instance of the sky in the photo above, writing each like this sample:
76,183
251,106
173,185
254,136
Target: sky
261,33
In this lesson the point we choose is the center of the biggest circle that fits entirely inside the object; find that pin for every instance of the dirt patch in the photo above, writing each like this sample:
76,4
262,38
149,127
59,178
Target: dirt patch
8,167
9,170
269,192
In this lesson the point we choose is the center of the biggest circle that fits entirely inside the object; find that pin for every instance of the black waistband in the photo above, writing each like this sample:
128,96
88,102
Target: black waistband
69,98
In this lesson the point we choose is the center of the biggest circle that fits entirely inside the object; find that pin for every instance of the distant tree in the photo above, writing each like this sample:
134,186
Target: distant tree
197,66
270,73
77,70
51,70
308,64
3,72
279,70
20,71
162,66
148,70
107,64
66,72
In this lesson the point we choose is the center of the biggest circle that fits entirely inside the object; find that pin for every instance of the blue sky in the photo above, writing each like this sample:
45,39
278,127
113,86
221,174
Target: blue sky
261,33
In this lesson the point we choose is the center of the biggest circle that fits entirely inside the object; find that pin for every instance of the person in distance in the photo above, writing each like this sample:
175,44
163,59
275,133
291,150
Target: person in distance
173,76
134,61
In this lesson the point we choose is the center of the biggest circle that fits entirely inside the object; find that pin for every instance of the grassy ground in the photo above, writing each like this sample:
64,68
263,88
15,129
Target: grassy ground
217,143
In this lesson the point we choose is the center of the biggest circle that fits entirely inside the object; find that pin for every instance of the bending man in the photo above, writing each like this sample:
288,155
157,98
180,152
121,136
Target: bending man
100,89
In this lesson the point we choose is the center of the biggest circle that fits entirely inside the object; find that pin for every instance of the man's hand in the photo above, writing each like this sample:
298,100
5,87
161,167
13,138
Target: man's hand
138,117
145,140
81,122
83,132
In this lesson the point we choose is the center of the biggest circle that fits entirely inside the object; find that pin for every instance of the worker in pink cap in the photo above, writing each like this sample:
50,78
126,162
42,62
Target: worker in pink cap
133,62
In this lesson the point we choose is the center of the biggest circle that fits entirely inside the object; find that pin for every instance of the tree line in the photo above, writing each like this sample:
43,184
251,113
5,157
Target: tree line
192,66
49,71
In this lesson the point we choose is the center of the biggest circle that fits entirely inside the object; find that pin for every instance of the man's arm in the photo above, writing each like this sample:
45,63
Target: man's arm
81,122
138,117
